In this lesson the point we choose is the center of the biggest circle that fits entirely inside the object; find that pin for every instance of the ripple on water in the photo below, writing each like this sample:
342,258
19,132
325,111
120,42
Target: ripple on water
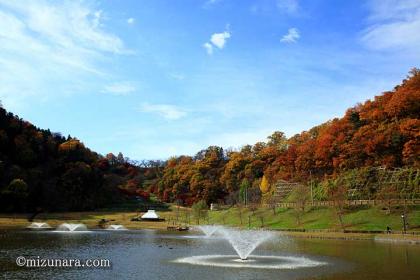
263,262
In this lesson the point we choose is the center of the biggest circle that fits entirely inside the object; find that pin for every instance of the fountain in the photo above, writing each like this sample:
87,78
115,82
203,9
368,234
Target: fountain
71,228
209,230
38,226
116,227
244,242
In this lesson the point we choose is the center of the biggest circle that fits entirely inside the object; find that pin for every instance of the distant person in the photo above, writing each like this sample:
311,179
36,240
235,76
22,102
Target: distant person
388,229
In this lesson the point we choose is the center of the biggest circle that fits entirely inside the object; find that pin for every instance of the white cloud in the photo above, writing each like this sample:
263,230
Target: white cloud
68,25
120,88
131,20
217,40
393,25
291,37
169,112
208,47
288,6
51,43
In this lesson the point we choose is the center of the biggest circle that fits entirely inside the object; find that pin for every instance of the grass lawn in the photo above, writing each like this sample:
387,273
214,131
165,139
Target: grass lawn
321,218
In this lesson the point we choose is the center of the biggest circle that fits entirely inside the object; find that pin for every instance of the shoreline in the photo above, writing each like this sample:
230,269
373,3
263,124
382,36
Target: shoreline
390,238
91,220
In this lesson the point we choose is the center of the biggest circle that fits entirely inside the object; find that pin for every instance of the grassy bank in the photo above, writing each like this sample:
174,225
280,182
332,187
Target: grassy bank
359,219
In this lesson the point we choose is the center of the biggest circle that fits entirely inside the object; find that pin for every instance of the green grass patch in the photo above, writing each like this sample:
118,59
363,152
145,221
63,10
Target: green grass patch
361,218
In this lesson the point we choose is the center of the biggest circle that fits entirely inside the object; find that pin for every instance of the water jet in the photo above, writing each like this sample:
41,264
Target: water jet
116,227
244,242
71,228
209,230
38,226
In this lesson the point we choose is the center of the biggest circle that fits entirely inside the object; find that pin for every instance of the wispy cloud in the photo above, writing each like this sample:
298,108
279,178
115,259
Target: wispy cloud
393,25
285,7
42,43
177,76
131,20
169,112
288,6
291,37
208,47
210,3
217,40
120,88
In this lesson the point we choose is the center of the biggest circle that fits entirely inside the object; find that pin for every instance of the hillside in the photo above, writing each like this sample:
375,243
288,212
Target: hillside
383,132
44,171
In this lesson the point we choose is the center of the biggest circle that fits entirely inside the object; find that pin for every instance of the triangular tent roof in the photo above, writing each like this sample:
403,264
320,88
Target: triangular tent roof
151,214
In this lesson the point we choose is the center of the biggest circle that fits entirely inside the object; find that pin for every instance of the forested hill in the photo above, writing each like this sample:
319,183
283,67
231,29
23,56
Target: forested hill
43,171
384,132
40,169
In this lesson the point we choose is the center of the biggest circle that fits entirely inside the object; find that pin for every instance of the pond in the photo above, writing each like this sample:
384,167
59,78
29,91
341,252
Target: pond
150,254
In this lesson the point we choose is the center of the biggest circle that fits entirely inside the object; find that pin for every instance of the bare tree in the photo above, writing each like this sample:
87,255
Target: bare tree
337,193
300,195
272,202
385,195
254,195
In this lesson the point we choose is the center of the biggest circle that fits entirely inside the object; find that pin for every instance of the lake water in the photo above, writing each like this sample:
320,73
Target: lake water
149,254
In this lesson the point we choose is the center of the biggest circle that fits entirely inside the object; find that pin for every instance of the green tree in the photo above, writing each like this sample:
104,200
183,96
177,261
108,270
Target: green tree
278,140
243,191
200,210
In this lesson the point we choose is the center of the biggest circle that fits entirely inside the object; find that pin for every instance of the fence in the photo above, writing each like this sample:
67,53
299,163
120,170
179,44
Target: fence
390,202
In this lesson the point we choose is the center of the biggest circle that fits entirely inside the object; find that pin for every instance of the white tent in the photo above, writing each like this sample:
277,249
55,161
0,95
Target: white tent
150,215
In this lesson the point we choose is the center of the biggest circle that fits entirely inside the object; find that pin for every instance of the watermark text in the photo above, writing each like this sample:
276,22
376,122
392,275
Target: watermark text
37,261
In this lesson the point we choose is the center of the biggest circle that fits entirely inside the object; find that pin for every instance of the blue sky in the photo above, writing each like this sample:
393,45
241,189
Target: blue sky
153,79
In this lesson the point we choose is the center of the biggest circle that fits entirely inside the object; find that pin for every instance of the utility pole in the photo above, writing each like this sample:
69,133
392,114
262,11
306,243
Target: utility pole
403,217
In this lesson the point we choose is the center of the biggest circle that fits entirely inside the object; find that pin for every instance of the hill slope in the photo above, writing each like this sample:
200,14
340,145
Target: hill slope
45,171
384,132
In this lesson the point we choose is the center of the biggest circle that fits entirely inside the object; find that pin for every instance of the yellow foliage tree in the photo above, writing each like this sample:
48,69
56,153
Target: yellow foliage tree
71,144
265,185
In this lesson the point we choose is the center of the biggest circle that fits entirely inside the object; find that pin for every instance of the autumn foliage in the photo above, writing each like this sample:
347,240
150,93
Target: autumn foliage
381,132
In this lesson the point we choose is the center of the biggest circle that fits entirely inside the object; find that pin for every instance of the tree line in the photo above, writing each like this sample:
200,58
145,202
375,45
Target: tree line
383,132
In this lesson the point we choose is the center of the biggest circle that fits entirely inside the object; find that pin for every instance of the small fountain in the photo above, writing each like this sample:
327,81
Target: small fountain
71,228
209,230
116,227
38,226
